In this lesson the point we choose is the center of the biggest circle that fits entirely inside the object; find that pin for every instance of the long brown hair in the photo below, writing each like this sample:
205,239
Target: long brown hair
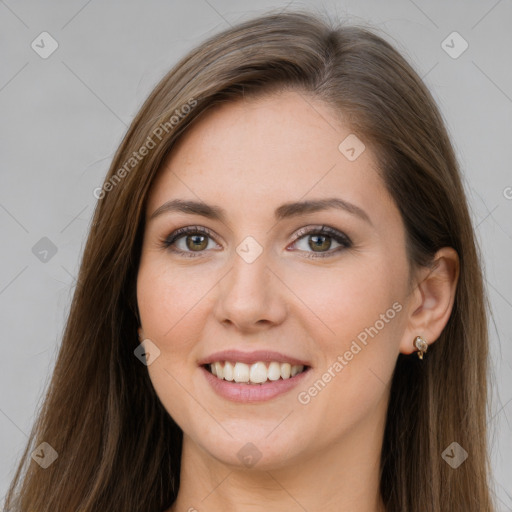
118,448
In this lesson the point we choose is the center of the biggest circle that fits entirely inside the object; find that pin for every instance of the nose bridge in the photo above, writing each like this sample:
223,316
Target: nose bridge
249,293
249,279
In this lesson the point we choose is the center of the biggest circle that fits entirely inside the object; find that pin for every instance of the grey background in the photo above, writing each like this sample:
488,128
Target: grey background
63,117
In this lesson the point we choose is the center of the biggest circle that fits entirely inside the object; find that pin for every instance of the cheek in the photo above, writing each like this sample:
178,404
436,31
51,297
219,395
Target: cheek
172,309
355,347
170,301
341,301
355,315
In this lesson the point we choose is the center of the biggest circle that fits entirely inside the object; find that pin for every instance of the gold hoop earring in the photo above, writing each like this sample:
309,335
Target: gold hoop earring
422,346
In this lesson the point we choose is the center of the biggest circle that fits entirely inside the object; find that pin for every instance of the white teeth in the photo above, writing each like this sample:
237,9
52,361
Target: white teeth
241,372
296,369
286,369
228,371
256,373
274,371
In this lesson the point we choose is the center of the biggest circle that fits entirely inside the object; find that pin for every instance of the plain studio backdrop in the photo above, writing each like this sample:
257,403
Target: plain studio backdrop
72,76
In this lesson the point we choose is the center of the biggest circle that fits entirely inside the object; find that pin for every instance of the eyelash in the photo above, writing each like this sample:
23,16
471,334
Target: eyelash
336,235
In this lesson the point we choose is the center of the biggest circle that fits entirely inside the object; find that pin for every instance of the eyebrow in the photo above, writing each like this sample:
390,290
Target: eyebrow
285,211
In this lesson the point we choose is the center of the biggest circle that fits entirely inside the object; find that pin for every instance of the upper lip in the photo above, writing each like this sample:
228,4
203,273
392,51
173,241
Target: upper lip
265,356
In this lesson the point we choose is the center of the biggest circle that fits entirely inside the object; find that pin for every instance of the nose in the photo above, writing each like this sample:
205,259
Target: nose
251,297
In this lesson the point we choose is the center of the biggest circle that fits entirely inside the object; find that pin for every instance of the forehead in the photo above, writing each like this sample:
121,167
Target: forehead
264,151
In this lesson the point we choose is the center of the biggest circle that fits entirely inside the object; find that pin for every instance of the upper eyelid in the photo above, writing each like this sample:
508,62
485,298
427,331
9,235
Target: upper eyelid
322,229
298,234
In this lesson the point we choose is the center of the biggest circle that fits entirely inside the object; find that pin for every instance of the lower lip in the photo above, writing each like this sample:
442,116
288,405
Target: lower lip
237,392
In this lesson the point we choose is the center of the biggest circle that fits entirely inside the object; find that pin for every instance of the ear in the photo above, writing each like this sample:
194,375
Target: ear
432,299
141,334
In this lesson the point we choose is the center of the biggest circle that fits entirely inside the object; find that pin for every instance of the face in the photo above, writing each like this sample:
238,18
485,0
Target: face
259,278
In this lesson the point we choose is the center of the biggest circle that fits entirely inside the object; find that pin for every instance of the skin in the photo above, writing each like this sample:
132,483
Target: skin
249,157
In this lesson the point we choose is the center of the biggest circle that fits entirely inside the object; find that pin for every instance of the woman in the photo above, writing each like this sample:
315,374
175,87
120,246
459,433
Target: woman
280,303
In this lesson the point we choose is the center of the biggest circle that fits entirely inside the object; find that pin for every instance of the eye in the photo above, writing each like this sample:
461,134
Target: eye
189,240
192,241
320,239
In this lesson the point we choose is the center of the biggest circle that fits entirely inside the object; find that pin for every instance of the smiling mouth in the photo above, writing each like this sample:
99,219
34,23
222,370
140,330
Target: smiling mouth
257,373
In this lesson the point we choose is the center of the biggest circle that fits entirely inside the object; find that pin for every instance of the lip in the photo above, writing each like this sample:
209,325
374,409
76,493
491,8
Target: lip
265,356
246,393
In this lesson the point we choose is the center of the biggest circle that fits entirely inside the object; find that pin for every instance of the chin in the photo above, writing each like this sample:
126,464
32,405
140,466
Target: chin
256,449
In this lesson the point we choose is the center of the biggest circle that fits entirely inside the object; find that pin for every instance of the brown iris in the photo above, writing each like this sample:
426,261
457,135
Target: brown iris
196,245
325,245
